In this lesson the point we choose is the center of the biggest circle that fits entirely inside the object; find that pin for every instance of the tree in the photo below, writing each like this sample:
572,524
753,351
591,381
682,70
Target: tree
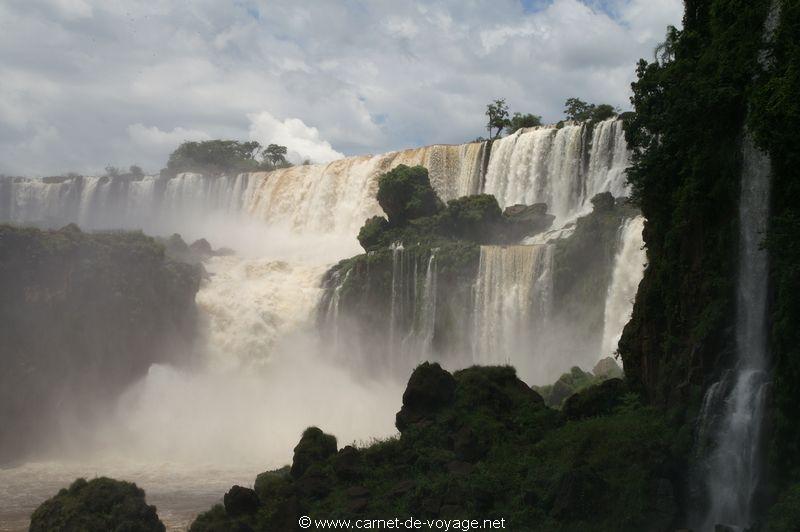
519,121
112,171
275,155
497,114
213,156
136,171
580,111
405,193
602,112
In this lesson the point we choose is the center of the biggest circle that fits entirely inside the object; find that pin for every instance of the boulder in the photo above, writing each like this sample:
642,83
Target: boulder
607,368
429,389
315,446
527,220
347,463
201,248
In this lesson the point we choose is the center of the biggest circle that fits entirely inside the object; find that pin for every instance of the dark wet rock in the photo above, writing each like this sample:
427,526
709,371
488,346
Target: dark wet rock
315,446
429,389
607,368
347,462
201,248
527,220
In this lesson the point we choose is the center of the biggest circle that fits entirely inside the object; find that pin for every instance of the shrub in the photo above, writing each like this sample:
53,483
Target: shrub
405,193
99,505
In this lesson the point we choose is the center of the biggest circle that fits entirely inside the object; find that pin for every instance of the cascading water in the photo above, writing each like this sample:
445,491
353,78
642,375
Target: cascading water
512,302
419,342
734,466
627,272
288,226
559,166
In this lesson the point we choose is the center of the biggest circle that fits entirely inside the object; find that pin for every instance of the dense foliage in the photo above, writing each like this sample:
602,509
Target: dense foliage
714,81
224,156
82,315
580,111
519,121
479,444
99,505
775,111
405,193
686,134
416,215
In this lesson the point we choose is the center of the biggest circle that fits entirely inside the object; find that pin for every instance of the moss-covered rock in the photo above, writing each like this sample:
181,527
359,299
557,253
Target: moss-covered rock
315,446
99,505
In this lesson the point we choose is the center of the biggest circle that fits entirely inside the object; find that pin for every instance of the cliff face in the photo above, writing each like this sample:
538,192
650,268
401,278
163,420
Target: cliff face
732,71
82,316
426,293
691,107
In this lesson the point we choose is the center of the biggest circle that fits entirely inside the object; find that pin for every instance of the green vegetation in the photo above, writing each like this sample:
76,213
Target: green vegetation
480,444
580,111
405,193
497,117
577,380
416,215
224,156
685,135
99,505
774,109
519,121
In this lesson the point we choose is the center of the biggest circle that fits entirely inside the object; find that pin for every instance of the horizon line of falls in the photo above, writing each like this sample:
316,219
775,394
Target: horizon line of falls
733,407
563,167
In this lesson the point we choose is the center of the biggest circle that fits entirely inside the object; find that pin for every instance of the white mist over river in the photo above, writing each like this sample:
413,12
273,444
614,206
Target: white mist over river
186,434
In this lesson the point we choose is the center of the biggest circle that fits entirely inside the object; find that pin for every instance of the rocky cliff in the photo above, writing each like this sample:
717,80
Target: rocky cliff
82,315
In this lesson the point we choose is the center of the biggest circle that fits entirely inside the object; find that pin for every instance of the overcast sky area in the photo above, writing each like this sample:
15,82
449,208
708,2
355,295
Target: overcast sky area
90,83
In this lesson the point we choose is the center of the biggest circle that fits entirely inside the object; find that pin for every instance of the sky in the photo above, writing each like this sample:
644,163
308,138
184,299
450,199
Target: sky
89,83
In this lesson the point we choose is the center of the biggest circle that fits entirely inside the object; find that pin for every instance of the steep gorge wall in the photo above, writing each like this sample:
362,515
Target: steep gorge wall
718,81
540,307
81,317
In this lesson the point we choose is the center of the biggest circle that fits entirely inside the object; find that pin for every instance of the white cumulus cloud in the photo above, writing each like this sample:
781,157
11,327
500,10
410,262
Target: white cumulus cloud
302,142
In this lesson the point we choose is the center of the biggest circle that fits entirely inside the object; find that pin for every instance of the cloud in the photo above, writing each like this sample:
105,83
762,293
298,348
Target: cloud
120,82
302,142
152,137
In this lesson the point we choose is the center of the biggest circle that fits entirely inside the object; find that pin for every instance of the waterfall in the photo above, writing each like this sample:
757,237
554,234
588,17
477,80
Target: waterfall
512,301
425,313
563,167
559,166
628,270
734,465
